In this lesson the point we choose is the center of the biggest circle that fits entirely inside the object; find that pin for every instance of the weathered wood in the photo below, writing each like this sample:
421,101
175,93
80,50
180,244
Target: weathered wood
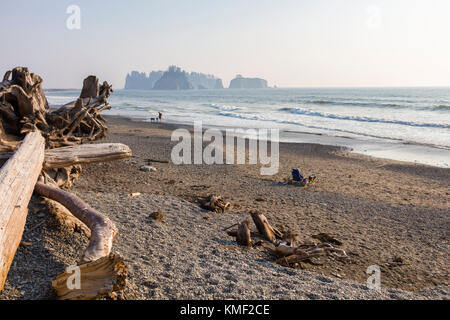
85,153
263,226
103,230
243,234
24,108
65,219
91,88
99,279
17,179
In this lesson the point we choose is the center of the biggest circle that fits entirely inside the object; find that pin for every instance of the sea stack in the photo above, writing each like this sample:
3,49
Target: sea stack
173,79
247,83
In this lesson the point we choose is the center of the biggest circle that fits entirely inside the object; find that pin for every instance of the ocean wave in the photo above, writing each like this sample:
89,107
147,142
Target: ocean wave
441,107
310,113
358,104
224,107
261,118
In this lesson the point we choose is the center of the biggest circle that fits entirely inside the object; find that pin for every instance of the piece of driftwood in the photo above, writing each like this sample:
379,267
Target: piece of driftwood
17,179
103,230
98,279
291,256
24,108
214,203
262,224
62,177
65,219
65,157
243,234
85,153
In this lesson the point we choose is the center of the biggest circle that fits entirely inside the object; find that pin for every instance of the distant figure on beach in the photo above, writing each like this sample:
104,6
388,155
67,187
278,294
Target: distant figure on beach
160,116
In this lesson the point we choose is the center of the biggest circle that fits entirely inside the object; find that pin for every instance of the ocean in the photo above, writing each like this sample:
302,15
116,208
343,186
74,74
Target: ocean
408,124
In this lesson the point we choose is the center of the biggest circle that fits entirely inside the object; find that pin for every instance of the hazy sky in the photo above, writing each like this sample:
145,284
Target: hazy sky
291,43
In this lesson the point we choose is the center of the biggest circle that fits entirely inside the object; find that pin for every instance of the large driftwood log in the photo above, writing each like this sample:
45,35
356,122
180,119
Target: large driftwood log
99,279
17,178
85,153
80,154
103,230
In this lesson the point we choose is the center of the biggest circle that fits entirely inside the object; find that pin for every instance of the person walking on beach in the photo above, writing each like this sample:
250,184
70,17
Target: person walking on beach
160,116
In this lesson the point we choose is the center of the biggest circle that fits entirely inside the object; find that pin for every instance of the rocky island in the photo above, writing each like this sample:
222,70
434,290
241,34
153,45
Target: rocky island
247,83
139,80
172,79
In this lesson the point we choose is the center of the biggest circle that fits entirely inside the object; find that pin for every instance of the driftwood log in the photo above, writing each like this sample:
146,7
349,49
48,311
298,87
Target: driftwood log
17,178
65,157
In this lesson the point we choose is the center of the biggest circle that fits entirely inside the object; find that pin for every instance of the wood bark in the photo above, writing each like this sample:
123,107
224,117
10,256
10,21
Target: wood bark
103,230
99,279
17,179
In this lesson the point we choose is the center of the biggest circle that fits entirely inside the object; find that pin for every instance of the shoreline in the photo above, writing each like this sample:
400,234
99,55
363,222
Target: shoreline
430,155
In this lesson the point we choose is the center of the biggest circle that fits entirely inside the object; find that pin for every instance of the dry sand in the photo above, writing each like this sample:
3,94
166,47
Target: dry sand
383,211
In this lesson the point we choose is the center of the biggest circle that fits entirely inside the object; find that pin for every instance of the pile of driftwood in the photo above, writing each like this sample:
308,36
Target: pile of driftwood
283,245
41,150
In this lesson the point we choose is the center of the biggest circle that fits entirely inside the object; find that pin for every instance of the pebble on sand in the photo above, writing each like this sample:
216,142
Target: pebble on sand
148,169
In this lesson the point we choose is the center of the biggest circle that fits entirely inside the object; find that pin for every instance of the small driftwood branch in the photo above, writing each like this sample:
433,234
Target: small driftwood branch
103,230
99,279
262,224
17,178
243,234
215,203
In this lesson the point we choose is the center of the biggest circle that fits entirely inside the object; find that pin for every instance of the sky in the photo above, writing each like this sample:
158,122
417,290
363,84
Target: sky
291,43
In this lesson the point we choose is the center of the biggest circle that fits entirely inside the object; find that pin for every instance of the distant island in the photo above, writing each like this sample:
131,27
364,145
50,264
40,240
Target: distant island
247,83
172,79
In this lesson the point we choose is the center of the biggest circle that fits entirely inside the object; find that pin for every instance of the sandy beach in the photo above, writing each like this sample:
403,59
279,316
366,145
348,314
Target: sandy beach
386,213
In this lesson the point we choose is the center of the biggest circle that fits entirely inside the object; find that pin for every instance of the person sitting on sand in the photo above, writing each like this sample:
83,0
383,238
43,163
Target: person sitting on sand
160,116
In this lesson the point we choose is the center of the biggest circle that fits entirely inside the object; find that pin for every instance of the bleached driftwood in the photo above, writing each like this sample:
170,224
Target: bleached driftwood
103,230
17,178
99,279
85,153
80,154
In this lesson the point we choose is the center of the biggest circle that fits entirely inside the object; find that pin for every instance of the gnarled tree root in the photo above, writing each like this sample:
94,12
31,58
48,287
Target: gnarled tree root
103,230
